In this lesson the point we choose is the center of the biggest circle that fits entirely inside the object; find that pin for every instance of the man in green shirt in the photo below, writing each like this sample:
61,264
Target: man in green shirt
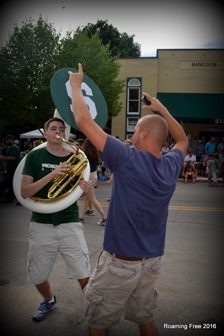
49,233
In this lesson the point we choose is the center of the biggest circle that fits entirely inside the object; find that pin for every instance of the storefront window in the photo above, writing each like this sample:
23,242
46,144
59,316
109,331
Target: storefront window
133,104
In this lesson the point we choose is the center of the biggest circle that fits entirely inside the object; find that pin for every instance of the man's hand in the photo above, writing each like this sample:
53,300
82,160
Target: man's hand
156,105
61,169
81,112
175,128
77,77
85,185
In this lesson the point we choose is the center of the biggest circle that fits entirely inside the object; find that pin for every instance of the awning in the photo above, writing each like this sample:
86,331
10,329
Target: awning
194,107
37,134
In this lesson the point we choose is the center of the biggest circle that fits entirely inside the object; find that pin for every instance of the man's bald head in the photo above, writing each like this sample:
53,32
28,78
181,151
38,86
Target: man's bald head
156,126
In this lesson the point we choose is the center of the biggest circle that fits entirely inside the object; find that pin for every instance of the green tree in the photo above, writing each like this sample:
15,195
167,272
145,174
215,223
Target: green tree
120,44
28,61
30,58
97,63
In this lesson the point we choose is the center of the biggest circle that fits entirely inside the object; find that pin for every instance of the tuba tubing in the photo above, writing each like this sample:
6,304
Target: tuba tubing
57,201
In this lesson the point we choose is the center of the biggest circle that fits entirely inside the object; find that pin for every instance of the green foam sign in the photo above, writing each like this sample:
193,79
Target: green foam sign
61,95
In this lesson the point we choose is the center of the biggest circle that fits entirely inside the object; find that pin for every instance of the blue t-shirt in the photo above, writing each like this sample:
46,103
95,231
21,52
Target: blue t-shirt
141,191
210,147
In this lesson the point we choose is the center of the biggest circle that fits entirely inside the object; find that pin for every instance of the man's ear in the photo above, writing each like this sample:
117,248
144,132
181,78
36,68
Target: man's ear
144,133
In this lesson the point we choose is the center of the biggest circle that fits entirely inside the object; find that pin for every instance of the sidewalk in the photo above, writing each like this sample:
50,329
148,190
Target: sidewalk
202,179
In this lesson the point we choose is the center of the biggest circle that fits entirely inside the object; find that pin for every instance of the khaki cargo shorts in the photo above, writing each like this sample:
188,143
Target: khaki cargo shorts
46,240
118,287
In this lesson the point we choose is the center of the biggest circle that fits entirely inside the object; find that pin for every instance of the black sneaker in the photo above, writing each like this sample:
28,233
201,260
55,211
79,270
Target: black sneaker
43,310
90,213
102,222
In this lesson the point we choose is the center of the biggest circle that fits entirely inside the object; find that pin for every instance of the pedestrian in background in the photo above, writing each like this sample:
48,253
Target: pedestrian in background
89,199
12,158
212,169
210,147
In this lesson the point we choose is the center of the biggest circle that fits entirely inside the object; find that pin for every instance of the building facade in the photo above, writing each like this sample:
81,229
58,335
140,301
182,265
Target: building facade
190,83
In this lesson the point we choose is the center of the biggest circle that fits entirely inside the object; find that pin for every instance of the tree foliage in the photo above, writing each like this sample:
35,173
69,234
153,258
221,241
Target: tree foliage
28,60
120,44
35,51
97,63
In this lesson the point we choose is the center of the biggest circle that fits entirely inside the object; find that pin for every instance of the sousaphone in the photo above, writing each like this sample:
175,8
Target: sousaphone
65,189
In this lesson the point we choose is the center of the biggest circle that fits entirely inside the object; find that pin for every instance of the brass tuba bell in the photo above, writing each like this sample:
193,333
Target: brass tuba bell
66,183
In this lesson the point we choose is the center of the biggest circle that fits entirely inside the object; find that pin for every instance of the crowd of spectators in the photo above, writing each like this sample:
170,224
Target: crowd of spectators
207,161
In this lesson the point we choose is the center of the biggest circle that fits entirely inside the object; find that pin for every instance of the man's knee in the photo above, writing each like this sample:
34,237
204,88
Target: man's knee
83,282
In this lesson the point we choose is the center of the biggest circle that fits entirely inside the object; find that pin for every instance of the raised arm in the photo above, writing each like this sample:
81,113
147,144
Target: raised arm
81,112
175,128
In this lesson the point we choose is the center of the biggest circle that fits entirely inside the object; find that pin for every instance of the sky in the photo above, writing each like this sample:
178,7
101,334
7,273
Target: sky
156,24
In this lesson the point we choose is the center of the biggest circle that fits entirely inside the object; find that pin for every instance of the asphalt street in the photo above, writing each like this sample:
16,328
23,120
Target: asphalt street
191,285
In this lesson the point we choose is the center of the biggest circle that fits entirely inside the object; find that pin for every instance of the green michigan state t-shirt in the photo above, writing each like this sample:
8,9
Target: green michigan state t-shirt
39,163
